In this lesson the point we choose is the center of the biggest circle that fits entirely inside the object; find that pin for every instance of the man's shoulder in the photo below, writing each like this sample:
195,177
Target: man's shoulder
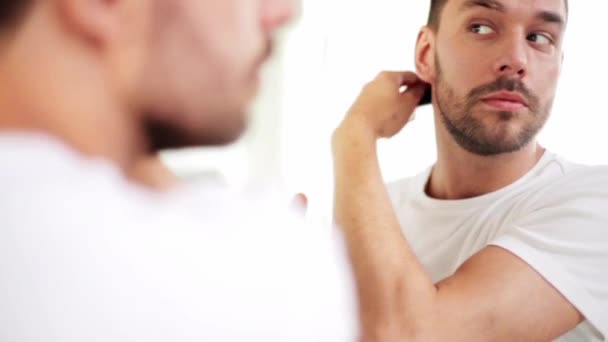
578,194
43,179
576,181
581,172
45,182
41,162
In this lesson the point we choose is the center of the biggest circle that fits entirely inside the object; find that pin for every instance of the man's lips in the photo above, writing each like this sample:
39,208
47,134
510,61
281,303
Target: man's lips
506,101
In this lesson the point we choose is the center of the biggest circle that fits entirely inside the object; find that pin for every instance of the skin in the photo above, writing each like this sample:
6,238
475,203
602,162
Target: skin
123,79
154,173
493,296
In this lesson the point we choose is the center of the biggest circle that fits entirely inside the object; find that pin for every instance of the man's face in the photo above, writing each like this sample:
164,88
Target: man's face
203,67
497,64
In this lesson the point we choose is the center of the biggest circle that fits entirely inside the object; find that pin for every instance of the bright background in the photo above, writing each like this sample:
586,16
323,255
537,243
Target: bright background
338,45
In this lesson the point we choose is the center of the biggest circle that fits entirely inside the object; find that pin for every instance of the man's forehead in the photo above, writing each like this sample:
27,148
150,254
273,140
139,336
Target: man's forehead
557,7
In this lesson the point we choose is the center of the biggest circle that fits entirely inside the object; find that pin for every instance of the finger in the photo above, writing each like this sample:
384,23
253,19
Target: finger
300,203
410,78
408,103
301,200
400,78
412,96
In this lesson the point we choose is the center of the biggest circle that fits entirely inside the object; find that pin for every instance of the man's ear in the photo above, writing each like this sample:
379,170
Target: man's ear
97,21
425,55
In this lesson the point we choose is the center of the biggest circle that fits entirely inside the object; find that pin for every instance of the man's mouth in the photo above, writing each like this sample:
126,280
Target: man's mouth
506,101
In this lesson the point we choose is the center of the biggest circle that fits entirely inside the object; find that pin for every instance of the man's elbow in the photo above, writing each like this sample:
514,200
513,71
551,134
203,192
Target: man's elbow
411,330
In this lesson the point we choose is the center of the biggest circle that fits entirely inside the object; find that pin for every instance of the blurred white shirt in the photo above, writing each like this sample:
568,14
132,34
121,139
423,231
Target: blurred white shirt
86,255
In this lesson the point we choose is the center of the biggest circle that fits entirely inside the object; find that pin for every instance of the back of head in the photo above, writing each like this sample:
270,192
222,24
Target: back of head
153,74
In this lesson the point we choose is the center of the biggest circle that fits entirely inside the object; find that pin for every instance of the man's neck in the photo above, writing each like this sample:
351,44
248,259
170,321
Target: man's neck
88,132
62,90
459,174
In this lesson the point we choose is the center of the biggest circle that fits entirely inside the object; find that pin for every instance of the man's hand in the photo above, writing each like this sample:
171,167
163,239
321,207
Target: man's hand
382,109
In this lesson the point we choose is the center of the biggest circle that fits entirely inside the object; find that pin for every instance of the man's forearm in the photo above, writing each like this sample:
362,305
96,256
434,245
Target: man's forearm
396,293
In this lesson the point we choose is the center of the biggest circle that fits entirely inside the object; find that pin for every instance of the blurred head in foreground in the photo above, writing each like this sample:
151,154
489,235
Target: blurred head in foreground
124,78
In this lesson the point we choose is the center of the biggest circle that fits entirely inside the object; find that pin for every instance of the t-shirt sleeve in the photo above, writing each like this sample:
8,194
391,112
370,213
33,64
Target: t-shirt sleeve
563,235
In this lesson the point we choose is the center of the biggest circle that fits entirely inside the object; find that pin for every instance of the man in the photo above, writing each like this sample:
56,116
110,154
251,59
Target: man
90,249
500,240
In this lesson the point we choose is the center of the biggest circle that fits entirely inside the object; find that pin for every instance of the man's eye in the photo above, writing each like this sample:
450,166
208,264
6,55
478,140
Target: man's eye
539,38
481,29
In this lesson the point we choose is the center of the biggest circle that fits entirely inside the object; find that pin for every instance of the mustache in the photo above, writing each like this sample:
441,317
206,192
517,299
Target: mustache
504,84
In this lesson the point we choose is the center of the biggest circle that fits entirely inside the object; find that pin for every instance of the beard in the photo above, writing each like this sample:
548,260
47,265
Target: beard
195,98
165,134
475,135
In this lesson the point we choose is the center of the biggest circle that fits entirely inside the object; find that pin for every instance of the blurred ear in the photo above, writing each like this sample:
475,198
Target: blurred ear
425,55
97,21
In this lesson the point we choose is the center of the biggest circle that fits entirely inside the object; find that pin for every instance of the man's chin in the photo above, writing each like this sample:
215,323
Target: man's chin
497,144
493,140
163,136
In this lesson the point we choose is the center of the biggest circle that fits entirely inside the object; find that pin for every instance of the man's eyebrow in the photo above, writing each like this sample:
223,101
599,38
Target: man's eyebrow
495,5
551,17
546,16
489,4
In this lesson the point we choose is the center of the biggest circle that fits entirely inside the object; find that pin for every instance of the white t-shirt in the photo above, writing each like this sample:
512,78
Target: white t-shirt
555,218
87,256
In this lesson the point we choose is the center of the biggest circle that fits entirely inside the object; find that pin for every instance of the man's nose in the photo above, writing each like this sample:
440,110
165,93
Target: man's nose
513,59
276,13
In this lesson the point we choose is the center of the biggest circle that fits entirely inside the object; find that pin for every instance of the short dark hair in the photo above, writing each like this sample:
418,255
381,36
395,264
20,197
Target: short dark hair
437,8
12,11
